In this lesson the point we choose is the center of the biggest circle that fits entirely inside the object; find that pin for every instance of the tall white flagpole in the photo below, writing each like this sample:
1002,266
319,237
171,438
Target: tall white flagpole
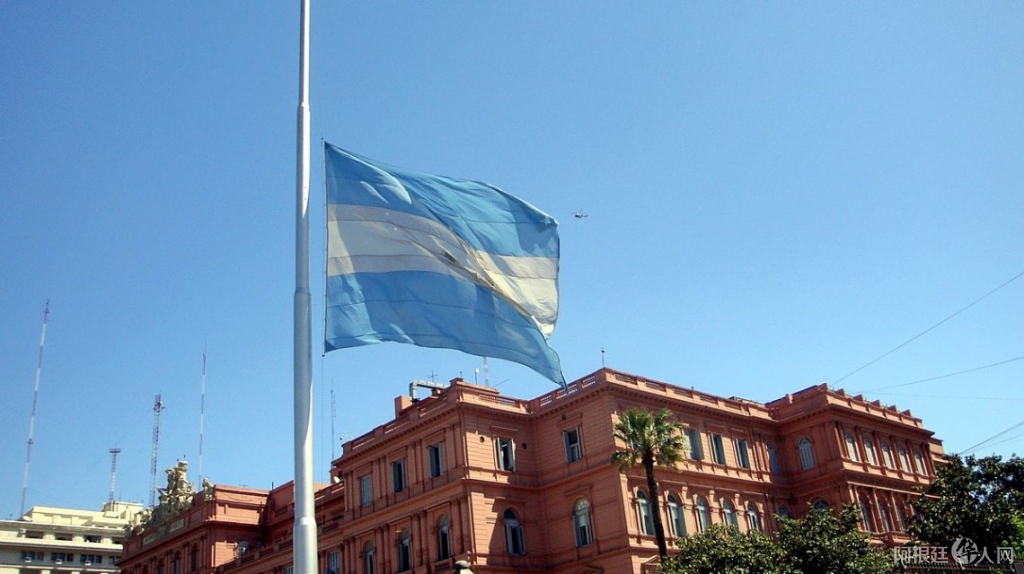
304,551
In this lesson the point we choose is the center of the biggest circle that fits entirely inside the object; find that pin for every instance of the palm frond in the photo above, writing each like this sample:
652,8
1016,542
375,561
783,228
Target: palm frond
649,434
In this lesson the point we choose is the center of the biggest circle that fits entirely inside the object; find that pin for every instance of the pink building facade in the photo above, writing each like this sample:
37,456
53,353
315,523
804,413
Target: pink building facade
526,486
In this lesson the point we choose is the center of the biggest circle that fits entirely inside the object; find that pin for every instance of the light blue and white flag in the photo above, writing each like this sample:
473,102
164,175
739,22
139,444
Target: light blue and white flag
437,262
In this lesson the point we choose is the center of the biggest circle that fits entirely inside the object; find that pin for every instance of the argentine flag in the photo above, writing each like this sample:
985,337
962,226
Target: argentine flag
437,262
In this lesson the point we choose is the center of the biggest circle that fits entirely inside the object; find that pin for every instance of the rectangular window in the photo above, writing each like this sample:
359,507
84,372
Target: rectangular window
506,454
886,520
404,556
444,544
365,490
514,540
773,459
869,450
333,562
904,458
696,447
851,448
31,555
742,454
887,455
584,536
398,475
717,449
865,515
573,449
435,458
806,451
920,463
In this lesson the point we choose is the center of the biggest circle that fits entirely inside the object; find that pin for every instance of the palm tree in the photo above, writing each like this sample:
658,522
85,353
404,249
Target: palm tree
651,439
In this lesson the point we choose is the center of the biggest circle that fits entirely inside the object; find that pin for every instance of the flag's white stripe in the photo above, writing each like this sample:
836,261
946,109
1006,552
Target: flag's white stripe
374,240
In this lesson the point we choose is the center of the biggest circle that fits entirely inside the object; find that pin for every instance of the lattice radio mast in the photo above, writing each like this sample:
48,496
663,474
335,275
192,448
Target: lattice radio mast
32,419
157,407
113,471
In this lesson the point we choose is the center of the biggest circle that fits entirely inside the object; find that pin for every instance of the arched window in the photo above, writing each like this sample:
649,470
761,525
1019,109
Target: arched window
869,448
820,504
919,460
444,547
369,559
783,512
753,518
405,551
193,558
675,515
581,522
643,507
703,514
176,563
851,448
514,539
806,450
729,511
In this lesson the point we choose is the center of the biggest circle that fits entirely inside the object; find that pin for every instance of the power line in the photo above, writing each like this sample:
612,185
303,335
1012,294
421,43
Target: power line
1006,440
922,333
993,437
958,398
942,376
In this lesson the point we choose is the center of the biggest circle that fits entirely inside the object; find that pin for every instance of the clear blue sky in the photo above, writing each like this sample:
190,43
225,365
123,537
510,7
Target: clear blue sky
778,193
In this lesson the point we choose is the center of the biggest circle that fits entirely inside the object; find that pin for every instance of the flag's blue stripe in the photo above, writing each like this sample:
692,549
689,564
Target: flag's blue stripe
432,310
483,215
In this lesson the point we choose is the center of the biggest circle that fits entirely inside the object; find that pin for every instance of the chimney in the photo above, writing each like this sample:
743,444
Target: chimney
402,402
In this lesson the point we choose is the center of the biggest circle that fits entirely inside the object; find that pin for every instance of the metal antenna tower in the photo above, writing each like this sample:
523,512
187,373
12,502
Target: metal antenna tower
32,419
113,471
157,407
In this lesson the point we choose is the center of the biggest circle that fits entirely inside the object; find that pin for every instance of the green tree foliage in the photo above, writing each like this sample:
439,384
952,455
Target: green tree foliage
724,550
977,498
820,543
1016,541
651,439
823,543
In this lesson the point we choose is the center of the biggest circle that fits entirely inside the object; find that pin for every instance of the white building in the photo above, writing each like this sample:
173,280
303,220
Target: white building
49,540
